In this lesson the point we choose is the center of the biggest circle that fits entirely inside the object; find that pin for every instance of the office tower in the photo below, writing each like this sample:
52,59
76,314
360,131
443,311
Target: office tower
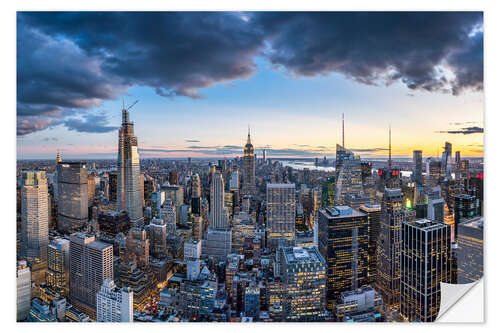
157,200
91,188
40,312
361,305
464,169
34,216
389,247
475,187
348,174
192,254
174,193
113,222
343,235
114,304
470,250
280,227
57,275
328,192
457,165
251,303
434,173
113,186
446,160
23,282
169,216
196,194
91,262
234,181
217,243
466,206
248,168
373,214
157,232
303,298
137,248
72,182
417,171
149,188
218,219
425,263
263,156
173,178
435,209
129,194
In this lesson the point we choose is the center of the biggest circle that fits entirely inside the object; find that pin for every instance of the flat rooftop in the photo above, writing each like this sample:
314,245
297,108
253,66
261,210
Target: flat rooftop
299,255
338,212
425,224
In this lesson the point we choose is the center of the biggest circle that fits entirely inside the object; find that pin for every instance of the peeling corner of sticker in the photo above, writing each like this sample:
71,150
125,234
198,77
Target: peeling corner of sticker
451,297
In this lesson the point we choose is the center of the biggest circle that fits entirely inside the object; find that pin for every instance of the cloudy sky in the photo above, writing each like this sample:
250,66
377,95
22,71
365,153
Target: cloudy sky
202,78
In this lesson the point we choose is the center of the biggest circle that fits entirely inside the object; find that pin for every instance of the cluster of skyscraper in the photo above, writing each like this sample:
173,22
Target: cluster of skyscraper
160,240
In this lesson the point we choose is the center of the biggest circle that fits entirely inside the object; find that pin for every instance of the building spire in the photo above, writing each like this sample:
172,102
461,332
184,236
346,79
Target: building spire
248,140
343,130
390,148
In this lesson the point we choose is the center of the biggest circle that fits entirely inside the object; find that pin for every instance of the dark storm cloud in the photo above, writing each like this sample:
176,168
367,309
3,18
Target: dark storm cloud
73,61
379,47
92,123
465,130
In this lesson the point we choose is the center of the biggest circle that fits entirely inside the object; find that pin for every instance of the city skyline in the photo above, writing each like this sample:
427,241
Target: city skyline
265,82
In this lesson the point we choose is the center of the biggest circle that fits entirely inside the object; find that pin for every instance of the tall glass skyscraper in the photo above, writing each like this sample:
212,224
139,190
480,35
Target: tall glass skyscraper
218,218
129,194
35,216
348,175
417,172
72,182
343,239
389,247
425,263
280,228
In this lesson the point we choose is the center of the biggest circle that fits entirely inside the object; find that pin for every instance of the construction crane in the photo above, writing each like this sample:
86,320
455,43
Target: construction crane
130,106
125,111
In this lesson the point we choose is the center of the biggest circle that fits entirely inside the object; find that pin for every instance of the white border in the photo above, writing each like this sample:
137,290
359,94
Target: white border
8,125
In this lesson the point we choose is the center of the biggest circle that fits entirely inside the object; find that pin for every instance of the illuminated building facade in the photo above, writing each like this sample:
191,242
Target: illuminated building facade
389,247
466,206
280,228
343,241
373,214
425,263
303,274
57,275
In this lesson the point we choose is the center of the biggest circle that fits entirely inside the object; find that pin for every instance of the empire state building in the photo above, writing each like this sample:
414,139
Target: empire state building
248,168
129,197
